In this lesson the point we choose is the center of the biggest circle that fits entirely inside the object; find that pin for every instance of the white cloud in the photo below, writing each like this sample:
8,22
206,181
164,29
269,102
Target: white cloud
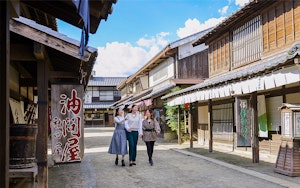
153,41
124,59
223,10
241,2
193,26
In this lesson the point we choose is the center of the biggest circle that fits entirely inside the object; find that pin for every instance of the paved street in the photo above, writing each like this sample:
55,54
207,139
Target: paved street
172,168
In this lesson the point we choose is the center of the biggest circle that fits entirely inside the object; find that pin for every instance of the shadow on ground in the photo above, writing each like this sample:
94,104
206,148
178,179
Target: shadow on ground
234,159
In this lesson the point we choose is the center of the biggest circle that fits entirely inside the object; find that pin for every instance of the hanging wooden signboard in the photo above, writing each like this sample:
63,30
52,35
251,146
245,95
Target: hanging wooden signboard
243,122
67,123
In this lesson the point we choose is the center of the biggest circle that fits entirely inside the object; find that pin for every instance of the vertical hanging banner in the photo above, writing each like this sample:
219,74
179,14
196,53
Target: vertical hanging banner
243,122
67,123
262,116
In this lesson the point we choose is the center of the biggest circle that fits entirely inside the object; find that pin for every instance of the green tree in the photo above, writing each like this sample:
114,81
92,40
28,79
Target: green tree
172,117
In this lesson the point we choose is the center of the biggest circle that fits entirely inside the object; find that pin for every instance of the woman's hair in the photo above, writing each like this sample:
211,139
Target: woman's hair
132,107
117,112
151,114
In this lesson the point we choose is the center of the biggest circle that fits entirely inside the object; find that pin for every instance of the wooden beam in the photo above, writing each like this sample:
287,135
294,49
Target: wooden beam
210,125
27,82
195,116
191,124
255,129
284,93
233,123
46,39
62,74
14,6
4,93
26,55
24,72
179,124
42,137
66,11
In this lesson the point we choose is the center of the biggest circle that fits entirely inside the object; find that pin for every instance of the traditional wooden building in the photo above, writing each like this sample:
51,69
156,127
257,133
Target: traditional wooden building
32,58
100,95
253,69
178,64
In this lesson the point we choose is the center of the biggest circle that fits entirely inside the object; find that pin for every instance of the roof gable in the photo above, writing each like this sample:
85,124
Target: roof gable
105,81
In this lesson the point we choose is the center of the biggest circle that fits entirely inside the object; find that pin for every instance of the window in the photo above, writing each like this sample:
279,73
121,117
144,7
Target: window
106,95
117,93
247,42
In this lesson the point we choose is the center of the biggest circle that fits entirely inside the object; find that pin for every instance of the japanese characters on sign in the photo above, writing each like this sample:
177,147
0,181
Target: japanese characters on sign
243,122
66,123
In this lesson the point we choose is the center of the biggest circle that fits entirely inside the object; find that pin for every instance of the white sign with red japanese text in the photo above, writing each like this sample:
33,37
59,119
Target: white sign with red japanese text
67,123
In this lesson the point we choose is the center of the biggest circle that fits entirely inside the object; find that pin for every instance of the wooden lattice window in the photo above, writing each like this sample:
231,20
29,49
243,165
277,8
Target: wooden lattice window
247,42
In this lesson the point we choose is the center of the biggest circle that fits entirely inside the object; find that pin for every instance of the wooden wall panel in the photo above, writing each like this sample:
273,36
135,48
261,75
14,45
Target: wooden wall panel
288,22
281,25
297,19
280,33
265,28
272,30
194,66
219,55
227,52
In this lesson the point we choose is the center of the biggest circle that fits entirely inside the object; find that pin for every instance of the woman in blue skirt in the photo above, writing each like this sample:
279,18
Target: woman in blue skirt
118,144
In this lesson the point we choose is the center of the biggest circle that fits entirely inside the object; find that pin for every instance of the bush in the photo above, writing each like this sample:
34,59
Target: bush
172,119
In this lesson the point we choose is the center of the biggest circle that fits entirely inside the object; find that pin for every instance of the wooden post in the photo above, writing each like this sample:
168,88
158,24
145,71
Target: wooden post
196,117
283,94
42,136
210,125
255,141
191,124
4,93
233,123
178,123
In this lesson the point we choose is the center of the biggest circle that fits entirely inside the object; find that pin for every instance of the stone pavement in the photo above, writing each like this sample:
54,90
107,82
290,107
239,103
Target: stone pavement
240,161
174,166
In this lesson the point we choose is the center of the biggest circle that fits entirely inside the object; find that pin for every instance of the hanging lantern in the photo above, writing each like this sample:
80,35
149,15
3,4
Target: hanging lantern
186,106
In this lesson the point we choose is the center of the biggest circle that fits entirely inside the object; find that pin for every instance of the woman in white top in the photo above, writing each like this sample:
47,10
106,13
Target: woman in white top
133,125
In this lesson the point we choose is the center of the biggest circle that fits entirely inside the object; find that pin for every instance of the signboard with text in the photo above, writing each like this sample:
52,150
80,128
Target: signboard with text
67,123
243,122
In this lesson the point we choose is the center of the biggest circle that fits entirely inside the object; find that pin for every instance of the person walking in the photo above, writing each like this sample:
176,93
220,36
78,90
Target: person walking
150,129
118,144
133,125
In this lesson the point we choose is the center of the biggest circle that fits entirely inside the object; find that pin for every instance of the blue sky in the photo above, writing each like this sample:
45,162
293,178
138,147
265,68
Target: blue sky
138,29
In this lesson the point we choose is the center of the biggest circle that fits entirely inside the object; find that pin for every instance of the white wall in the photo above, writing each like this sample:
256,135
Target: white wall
188,49
203,114
273,112
162,72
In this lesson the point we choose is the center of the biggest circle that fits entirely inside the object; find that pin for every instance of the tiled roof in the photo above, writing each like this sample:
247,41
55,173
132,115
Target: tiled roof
98,105
105,81
160,91
189,38
259,67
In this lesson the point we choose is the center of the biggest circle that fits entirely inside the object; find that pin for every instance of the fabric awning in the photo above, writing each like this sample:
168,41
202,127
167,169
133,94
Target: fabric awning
252,70
100,105
265,82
